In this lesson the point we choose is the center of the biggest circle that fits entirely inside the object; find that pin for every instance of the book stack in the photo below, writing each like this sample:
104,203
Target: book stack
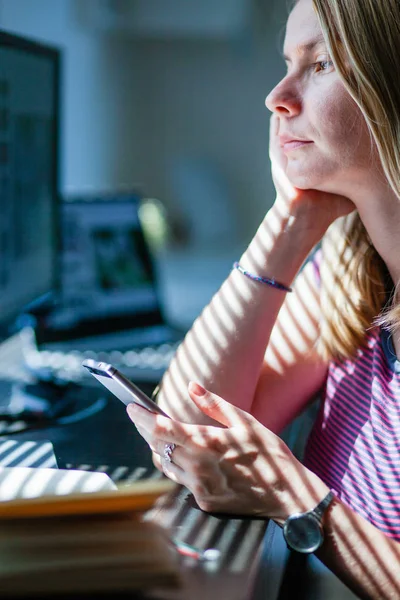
85,543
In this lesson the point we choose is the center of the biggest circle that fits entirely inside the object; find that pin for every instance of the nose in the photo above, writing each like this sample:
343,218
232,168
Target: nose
284,99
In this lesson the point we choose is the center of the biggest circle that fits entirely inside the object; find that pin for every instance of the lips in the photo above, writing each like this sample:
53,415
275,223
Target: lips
289,142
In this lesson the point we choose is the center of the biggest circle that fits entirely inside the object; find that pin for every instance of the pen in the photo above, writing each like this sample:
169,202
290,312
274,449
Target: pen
210,554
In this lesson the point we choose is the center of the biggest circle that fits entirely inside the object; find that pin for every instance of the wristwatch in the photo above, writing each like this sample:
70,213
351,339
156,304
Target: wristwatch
303,532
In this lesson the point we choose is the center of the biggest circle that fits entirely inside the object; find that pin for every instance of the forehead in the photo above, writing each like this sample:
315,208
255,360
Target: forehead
302,28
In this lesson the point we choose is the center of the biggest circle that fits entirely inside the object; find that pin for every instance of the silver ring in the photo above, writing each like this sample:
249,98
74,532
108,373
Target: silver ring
168,450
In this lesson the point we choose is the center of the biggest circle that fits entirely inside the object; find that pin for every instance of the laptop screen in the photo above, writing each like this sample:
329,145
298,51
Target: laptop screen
106,263
108,279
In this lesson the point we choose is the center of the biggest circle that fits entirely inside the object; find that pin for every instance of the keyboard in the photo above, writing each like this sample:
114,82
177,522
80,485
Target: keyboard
145,363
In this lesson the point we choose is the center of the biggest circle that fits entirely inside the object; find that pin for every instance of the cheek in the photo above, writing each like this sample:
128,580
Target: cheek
343,146
344,134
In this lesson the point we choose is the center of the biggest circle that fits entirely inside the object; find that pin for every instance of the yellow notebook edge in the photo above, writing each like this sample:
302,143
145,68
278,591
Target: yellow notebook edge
138,496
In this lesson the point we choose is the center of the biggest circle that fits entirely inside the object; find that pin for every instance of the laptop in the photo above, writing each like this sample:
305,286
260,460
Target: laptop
110,307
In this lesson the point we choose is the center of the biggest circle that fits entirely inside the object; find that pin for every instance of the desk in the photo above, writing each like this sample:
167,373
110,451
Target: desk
253,561
107,441
240,541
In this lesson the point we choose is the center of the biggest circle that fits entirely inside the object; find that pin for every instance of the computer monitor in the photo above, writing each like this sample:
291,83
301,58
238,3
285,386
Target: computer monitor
29,175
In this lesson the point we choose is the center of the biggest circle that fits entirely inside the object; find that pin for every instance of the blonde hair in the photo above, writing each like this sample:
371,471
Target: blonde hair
363,38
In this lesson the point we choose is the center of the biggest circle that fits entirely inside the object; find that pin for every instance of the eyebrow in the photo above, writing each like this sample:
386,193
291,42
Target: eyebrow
306,48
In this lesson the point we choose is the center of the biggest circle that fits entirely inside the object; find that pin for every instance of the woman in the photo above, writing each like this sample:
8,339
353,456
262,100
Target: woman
262,354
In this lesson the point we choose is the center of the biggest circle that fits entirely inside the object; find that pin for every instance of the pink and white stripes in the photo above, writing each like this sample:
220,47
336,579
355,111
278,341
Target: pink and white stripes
354,446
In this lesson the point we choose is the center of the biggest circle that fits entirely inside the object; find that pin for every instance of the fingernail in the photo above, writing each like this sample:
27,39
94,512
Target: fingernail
197,389
131,408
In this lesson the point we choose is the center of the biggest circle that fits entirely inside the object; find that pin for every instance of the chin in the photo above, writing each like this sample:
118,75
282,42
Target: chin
306,179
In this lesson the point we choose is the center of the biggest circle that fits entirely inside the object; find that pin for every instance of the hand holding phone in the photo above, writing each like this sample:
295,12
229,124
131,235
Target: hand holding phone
121,386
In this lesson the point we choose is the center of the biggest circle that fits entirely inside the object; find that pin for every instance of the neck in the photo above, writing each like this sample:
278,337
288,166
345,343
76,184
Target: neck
379,210
383,227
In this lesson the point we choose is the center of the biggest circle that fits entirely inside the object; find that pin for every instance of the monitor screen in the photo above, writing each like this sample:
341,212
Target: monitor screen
107,268
29,194
108,279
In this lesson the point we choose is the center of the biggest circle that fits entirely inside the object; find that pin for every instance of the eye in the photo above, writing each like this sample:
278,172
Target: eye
323,66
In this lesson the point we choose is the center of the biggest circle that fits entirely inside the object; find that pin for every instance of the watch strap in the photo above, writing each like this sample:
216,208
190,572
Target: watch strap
320,509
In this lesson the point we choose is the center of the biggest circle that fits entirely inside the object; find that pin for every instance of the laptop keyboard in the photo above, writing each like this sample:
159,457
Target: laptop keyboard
153,337
64,361
145,364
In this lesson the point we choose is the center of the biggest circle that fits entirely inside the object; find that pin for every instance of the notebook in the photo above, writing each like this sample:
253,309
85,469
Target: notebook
28,454
110,306
67,533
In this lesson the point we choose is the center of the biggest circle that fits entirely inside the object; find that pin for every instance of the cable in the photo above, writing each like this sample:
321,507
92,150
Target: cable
45,404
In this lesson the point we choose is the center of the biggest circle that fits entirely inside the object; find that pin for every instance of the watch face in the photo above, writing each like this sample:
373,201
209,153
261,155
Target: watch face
303,533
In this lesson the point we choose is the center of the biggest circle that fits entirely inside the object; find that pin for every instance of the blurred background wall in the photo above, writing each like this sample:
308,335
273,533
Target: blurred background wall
167,96
151,101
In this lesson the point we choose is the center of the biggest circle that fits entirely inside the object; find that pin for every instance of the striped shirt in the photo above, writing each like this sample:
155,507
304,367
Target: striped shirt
354,445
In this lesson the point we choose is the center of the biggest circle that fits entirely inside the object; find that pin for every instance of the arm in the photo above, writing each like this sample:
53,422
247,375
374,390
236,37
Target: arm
365,559
226,348
244,468
292,371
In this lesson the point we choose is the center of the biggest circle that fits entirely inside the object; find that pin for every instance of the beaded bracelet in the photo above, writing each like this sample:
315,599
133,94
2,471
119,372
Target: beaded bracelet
266,280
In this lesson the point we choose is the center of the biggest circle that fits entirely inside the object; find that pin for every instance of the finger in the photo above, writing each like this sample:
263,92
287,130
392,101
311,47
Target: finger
157,461
174,472
216,407
273,134
273,126
159,427
158,448
276,123
201,488
200,447
148,438
198,467
201,468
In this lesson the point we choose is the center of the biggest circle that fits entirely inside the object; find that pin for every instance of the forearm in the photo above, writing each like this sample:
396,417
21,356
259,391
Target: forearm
225,347
361,555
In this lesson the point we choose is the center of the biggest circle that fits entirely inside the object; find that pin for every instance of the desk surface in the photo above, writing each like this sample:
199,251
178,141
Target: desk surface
240,542
107,441
253,556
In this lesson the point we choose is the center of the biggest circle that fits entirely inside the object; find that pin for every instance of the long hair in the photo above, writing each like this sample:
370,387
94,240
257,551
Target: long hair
363,37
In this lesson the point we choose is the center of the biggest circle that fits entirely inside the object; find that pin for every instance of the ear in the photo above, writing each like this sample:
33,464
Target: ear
216,407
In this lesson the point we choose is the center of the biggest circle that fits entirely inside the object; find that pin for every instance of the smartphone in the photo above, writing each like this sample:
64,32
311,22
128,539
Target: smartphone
121,386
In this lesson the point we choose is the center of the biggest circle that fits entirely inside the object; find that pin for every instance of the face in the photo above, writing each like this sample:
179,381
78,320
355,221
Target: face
322,131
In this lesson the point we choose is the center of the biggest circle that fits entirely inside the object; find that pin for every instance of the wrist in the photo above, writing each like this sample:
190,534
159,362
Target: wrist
303,493
300,223
311,214
280,247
